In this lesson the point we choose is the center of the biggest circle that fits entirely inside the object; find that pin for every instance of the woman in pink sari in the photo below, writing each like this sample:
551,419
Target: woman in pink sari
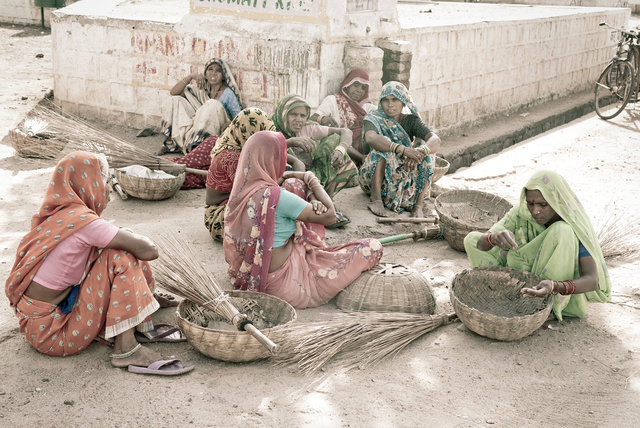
274,238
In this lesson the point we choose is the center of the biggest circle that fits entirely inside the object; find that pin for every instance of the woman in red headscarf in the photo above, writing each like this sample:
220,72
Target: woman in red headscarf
274,239
77,276
347,108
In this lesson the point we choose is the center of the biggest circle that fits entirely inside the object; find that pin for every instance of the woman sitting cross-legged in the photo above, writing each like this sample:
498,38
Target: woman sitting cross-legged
274,238
347,108
77,277
550,235
395,173
223,162
195,112
323,149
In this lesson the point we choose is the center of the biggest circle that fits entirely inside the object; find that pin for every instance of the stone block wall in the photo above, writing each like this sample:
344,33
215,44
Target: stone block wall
24,12
468,72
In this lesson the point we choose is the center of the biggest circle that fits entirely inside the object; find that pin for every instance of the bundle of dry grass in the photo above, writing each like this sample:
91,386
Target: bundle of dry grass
178,271
354,339
83,135
618,234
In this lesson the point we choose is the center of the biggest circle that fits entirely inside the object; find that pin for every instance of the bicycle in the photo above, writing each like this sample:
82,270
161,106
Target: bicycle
618,83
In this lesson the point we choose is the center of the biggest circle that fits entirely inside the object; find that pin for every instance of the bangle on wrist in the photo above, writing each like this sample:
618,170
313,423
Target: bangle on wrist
488,239
320,117
427,150
341,149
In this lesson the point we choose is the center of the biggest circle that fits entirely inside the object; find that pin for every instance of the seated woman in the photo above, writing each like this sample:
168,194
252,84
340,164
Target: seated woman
194,112
77,277
223,162
323,149
395,173
550,235
274,239
346,109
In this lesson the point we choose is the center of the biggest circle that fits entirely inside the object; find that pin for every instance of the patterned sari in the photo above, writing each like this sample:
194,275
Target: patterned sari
318,161
400,188
115,293
223,161
313,273
190,118
549,252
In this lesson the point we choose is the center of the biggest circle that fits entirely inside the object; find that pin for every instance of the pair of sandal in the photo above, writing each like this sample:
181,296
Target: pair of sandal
160,333
341,221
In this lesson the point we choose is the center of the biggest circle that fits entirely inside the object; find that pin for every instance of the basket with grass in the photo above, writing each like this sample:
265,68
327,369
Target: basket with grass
32,139
215,336
150,189
389,287
463,211
440,169
488,301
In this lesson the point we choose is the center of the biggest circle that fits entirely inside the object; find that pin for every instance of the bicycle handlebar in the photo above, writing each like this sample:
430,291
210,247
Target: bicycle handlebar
629,33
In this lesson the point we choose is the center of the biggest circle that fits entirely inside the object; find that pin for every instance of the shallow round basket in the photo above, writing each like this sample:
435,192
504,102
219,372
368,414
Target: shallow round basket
488,301
440,169
389,288
34,147
150,189
463,211
230,344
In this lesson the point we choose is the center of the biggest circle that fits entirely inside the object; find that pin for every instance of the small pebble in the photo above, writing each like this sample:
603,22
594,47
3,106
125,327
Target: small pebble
591,412
44,379
38,389
69,402
39,55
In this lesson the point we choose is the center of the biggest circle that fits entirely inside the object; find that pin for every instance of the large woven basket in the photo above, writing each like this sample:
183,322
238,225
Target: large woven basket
389,288
26,146
463,211
440,169
268,313
150,189
488,301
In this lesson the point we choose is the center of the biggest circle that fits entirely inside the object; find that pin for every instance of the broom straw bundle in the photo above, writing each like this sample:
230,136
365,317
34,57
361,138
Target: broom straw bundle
178,271
82,135
618,233
355,339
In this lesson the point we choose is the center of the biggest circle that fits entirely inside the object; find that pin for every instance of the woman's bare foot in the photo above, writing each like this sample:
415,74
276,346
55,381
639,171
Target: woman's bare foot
142,357
165,300
417,211
377,207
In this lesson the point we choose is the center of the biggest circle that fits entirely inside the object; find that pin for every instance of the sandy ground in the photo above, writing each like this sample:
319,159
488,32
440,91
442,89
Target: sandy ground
576,373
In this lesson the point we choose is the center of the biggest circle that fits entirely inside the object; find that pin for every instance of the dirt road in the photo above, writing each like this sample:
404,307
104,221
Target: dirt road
576,373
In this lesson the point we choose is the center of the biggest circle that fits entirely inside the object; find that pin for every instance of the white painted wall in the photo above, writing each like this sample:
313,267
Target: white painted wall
24,12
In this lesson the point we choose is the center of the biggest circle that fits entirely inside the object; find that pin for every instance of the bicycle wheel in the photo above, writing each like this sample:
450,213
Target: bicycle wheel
634,59
614,88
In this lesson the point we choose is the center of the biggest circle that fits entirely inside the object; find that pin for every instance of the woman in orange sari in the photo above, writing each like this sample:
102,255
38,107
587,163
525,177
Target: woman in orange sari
77,277
274,238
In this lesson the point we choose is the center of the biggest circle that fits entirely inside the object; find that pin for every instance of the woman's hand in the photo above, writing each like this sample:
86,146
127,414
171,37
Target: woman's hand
200,80
329,121
305,143
543,288
318,207
504,239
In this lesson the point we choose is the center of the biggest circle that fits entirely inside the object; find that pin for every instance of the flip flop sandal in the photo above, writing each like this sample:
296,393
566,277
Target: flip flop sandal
341,221
156,335
162,368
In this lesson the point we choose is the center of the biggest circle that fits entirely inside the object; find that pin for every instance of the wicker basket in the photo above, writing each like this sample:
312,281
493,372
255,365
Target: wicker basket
150,189
463,211
229,344
33,147
488,301
441,168
389,288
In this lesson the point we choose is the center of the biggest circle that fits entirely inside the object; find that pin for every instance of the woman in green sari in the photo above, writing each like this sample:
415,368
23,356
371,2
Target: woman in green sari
550,235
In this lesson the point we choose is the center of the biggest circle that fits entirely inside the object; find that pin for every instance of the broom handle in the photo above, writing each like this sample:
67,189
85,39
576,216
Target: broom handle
264,340
432,220
431,232
196,171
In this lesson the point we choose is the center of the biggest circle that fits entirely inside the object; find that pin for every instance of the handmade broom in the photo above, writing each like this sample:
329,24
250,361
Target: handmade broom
178,271
82,135
354,339
429,232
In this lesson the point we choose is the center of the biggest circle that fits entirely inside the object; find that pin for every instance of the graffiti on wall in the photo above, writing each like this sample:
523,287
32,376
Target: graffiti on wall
276,7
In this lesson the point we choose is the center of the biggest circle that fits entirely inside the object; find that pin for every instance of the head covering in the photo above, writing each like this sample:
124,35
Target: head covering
399,91
283,108
249,221
360,76
76,195
228,78
565,203
245,124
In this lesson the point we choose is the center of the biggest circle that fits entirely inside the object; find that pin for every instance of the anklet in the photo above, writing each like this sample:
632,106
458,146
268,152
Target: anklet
127,354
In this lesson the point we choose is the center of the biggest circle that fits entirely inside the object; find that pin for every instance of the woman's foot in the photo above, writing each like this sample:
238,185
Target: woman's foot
377,208
141,357
417,211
